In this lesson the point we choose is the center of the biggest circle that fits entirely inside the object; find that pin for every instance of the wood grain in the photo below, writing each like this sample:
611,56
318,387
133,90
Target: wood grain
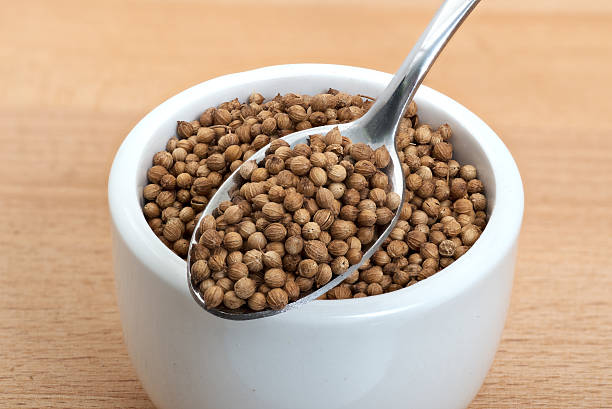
76,76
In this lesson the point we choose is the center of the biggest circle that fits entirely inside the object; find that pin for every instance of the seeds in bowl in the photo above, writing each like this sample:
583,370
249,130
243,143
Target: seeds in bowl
443,214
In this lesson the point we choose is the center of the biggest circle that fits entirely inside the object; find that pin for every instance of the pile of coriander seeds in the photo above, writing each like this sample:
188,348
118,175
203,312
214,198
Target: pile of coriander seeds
298,218
442,216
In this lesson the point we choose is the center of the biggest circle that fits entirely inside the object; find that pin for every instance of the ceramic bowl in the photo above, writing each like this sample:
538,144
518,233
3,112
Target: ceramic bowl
426,346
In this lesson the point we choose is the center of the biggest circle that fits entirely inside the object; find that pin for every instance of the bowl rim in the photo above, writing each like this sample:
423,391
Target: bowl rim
505,221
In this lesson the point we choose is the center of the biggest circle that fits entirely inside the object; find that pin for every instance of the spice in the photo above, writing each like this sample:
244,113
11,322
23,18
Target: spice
329,198
280,190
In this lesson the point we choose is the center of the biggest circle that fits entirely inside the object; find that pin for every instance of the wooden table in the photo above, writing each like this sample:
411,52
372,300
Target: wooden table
76,76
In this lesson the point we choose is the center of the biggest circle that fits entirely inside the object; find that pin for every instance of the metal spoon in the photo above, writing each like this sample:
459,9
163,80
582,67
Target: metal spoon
377,127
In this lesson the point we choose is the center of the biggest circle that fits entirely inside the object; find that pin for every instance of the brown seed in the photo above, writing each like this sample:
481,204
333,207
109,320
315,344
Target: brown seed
213,296
156,173
397,248
475,186
300,165
206,284
256,241
221,116
294,245
401,277
257,301
324,218
151,210
339,265
164,159
253,260
431,206
468,172
325,198
333,137
318,176
354,255
275,164
318,159
246,228
290,262
323,275
210,238
383,216
374,289
365,235
316,250
275,232
415,239
301,216
463,206
311,231
184,129
479,201
259,175
277,298
361,151
443,151
272,259
365,168
378,196
215,162
342,229
337,173
381,258
234,257
429,250
469,235
244,288
200,271
340,293
275,278
232,301
392,201
272,211
307,268
151,191
337,248
451,228
297,113
292,290
233,214
458,188
321,102
423,134
446,248
372,275
293,201
232,241
366,218
357,181
236,271
247,169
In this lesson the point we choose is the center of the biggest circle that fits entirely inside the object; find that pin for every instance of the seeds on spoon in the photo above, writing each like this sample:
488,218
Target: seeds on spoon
305,246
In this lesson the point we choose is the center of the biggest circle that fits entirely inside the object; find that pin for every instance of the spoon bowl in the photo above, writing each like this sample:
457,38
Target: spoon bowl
353,131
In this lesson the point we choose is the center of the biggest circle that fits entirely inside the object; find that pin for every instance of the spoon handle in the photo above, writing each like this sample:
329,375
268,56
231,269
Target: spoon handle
383,117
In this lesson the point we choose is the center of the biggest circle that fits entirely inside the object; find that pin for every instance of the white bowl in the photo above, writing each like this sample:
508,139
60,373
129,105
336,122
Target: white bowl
426,346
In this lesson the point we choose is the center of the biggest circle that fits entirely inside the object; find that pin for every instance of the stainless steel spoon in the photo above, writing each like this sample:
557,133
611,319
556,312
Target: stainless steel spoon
377,127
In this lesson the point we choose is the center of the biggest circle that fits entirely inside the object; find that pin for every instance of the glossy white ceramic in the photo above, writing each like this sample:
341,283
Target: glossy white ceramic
426,346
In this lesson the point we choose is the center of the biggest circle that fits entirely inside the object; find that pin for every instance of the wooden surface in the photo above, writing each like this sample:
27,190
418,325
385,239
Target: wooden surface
76,76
